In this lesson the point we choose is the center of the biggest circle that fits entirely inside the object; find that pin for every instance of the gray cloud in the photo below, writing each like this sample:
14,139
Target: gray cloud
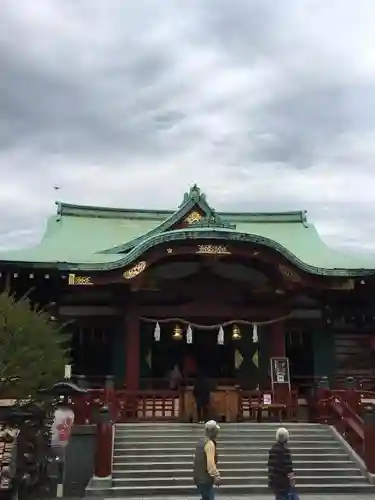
267,105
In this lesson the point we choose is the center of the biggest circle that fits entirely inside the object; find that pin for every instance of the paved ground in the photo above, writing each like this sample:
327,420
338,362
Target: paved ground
218,496
250,497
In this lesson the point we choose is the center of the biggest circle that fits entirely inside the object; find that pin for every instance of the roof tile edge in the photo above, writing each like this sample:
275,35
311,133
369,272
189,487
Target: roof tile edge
73,210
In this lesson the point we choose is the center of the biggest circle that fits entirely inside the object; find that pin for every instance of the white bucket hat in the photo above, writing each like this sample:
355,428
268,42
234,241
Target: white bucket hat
211,425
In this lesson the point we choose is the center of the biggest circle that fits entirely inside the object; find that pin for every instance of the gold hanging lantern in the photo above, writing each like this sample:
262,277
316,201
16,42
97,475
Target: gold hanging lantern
177,332
236,333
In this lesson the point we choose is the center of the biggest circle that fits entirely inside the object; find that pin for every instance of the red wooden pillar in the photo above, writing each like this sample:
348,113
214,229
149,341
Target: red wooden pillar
132,350
277,340
369,435
103,445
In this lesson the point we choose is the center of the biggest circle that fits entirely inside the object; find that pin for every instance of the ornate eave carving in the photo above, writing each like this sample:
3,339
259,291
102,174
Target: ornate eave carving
213,250
135,270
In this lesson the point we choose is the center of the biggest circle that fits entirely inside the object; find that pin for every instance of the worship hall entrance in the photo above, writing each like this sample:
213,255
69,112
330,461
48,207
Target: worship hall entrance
194,350
194,313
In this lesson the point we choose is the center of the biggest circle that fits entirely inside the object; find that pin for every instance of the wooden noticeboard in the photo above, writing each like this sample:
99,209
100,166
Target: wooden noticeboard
280,373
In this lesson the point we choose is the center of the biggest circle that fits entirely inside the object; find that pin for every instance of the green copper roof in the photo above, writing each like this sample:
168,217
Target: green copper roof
91,238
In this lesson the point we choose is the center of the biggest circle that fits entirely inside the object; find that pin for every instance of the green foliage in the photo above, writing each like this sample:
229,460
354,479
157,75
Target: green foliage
32,348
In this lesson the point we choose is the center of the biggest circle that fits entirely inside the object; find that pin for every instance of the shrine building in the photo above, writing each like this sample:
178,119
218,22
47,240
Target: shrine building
142,291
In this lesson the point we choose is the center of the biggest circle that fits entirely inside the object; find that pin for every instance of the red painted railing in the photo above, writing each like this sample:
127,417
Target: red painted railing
366,382
352,418
158,405
343,408
164,404
128,406
252,406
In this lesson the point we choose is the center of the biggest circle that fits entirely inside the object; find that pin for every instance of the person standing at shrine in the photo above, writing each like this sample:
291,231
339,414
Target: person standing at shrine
189,367
175,378
205,472
202,394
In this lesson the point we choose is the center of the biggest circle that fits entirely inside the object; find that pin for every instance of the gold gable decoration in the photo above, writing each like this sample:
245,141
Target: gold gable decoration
193,217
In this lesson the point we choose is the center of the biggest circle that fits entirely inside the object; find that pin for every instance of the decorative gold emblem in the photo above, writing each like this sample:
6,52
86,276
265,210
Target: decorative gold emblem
73,279
213,249
193,217
135,270
169,250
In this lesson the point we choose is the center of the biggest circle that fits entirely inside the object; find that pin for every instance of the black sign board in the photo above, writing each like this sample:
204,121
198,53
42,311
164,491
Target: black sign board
280,373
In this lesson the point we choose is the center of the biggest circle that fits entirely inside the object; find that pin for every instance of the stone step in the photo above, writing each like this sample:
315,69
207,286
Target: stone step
129,444
199,430
228,465
223,446
223,432
137,438
240,457
237,472
239,480
155,426
224,454
232,490
155,459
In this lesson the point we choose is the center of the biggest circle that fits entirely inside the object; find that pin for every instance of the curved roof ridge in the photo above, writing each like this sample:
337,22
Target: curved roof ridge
230,235
72,209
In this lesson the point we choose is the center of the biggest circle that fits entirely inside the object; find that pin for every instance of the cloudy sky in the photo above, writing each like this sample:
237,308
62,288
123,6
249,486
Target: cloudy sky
266,104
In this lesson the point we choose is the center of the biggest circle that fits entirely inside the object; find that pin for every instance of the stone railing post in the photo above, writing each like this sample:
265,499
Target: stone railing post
369,439
109,388
104,447
81,403
322,392
352,396
81,381
110,395
323,388
182,408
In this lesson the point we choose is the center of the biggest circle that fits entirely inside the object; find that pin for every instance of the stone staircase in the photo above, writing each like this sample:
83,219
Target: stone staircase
156,459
